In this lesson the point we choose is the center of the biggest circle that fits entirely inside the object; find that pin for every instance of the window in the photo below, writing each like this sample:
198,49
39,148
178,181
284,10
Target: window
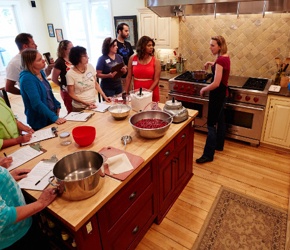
8,32
88,23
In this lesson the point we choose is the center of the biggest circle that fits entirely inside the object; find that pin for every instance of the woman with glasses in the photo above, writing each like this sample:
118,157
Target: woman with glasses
111,80
144,68
81,81
217,97
41,107
62,65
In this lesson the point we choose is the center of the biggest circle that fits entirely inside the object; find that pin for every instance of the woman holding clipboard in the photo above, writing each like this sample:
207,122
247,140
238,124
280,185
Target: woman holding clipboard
110,68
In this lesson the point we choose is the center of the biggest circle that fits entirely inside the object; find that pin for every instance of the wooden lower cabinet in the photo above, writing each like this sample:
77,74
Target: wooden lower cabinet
163,90
123,221
175,170
276,129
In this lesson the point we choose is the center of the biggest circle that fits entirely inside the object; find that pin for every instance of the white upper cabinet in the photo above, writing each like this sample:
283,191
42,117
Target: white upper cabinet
164,30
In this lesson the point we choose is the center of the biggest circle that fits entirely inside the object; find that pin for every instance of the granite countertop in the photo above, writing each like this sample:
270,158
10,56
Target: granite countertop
165,75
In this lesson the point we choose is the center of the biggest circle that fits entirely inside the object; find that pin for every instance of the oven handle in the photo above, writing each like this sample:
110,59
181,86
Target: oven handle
243,106
191,97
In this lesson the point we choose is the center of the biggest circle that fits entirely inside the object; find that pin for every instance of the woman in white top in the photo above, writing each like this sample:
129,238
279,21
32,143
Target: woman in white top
81,81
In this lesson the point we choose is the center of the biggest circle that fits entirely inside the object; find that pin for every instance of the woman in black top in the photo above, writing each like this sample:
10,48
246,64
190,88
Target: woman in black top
62,65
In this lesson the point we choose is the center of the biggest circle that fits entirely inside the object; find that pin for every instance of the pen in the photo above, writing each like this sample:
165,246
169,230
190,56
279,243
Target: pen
42,178
5,154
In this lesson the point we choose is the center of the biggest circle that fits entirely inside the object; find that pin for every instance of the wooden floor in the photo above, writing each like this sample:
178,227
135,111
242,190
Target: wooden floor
256,171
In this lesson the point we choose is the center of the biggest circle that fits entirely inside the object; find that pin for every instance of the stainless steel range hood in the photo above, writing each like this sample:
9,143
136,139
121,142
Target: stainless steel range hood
176,8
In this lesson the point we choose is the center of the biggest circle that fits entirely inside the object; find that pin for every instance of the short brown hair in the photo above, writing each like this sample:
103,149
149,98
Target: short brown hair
221,43
28,56
21,39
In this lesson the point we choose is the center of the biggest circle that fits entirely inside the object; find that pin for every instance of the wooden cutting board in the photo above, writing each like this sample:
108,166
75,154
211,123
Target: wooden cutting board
135,160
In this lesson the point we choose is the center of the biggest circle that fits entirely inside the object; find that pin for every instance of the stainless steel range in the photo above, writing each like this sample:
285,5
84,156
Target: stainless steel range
245,106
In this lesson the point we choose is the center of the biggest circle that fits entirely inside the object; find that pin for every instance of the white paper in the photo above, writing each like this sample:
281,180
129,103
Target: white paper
119,164
37,178
101,107
275,88
78,116
23,155
40,135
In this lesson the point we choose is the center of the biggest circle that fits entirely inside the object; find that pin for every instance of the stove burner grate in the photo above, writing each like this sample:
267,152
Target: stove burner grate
255,84
188,77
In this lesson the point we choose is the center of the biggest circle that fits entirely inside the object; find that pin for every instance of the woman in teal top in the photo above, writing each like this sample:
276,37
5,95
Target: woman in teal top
41,107
16,230
10,128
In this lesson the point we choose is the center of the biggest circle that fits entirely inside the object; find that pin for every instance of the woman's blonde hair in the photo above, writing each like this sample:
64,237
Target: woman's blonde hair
221,43
28,56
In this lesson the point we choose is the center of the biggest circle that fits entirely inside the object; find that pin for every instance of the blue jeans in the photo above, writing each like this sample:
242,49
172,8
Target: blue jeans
112,92
215,137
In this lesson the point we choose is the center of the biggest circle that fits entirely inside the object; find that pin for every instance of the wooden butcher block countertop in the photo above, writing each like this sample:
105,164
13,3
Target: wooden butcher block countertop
108,133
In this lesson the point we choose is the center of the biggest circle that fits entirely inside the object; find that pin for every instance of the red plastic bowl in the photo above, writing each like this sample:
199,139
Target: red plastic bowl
84,135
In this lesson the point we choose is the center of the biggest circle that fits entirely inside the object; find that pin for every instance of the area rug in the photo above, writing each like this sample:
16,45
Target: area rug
237,221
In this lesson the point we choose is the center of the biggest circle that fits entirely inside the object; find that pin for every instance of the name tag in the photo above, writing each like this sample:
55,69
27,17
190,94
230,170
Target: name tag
108,60
134,63
89,74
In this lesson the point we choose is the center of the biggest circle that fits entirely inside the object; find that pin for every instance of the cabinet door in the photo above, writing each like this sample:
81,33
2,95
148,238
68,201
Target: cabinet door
278,122
163,91
147,25
162,31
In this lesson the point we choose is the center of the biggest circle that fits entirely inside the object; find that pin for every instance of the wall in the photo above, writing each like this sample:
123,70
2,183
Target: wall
32,22
53,14
253,41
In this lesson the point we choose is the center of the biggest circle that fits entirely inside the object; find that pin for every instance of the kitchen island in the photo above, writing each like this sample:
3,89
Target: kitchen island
121,212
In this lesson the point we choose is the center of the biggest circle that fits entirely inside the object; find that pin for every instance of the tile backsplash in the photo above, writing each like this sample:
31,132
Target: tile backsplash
253,41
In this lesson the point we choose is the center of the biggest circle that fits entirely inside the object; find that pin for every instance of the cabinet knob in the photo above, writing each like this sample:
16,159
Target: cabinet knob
167,153
135,230
132,196
183,136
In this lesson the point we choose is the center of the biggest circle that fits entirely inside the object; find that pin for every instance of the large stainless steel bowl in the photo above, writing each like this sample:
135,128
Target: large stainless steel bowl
153,132
77,175
119,111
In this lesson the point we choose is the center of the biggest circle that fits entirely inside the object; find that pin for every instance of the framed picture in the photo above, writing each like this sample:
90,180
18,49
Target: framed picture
50,30
131,21
59,36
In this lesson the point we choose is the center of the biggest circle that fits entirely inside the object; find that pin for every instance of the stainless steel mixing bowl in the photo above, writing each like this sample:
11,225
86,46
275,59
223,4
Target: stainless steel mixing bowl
119,111
77,175
151,133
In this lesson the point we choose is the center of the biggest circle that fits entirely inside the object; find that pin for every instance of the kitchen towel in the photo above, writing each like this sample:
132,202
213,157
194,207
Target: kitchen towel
119,164
135,161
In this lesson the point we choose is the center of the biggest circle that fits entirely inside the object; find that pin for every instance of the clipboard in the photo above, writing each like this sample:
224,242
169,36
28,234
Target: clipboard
41,135
25,154
118,68
79,116
37,178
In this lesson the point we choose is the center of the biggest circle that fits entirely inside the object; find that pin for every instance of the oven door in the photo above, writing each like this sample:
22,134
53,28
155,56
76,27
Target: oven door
244,122
196,103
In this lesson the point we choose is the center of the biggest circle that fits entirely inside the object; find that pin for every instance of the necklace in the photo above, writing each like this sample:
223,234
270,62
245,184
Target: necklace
80,70
39,77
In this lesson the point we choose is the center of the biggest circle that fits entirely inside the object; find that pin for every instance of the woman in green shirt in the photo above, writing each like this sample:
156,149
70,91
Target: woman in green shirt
10,128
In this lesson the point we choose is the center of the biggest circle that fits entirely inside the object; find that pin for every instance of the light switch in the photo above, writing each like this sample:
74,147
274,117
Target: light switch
89,227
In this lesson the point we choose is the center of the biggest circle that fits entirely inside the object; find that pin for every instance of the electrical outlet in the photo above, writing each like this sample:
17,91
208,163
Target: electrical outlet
89,227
